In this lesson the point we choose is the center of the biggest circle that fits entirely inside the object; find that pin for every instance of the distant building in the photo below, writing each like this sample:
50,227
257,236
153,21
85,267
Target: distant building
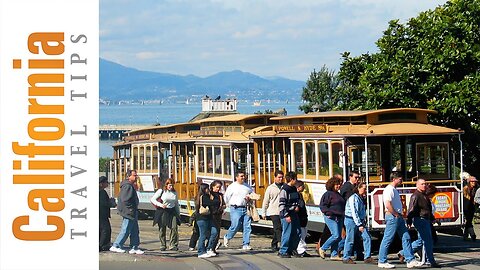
217,105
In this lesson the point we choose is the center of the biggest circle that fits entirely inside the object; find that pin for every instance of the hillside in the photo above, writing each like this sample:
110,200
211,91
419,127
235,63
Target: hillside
118,82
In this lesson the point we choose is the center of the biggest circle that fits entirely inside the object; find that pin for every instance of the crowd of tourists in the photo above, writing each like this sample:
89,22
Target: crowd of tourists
343,206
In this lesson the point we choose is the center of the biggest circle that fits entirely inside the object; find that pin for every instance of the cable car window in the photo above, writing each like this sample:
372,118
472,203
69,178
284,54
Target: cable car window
298,158
432,160
201,159
310,155
323,163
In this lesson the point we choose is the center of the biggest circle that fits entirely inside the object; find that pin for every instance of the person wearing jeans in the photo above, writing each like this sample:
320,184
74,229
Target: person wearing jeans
217,212
289,200
239,219
355,220
395,224
205,222
420,212
237,195
128,209
332,206
128,228
334,224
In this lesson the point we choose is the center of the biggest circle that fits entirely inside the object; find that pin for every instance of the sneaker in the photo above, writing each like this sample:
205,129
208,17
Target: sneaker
336,258
116,249
401,258
435,265
136,251
385,265
286,255
413,264
370,260
191,249
321,253
225,240
163,248
349,261
173,249
246,247
211,253
204,255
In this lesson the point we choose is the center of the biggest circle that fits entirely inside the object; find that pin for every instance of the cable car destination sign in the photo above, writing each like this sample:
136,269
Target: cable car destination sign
320,128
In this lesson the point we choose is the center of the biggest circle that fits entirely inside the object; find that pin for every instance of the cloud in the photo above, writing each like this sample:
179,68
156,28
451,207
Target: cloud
249,33
150,55
274,38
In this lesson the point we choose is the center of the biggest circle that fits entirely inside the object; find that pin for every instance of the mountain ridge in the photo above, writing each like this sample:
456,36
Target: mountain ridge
118,82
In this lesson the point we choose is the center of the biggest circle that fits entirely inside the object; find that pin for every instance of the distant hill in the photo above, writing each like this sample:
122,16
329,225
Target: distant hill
118,82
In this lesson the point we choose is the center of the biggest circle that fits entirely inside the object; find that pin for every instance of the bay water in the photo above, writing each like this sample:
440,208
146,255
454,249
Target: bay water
165,114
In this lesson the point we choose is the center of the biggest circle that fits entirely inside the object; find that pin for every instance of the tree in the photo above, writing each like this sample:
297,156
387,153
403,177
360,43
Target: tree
103,164
432,61
319,91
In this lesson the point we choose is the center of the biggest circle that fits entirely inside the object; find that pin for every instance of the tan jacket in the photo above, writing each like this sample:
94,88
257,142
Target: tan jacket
270,205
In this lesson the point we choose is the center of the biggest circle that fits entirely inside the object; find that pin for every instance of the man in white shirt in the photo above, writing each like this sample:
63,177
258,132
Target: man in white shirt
395,224
271,208
236,196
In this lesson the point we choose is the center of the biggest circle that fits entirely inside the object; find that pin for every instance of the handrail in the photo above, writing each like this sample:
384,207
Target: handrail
414,182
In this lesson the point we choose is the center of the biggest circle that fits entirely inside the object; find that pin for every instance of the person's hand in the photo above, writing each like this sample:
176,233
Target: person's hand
264,217
163,206
288,219
361,229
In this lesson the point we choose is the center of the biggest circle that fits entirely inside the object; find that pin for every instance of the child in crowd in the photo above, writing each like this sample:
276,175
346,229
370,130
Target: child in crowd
303,216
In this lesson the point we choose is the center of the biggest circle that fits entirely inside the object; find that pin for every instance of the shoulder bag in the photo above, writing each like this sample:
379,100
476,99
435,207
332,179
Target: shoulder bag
203,210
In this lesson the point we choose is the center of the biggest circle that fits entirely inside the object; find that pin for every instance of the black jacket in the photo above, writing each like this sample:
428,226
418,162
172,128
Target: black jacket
104,204
208,201
302,214
218,203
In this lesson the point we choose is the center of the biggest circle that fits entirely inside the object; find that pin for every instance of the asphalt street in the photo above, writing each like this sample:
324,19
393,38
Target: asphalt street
451,252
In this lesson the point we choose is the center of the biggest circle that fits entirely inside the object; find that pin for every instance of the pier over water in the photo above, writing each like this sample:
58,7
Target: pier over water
115,132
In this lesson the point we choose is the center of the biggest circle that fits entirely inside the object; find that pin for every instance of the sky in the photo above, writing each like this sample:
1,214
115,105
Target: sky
286,38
